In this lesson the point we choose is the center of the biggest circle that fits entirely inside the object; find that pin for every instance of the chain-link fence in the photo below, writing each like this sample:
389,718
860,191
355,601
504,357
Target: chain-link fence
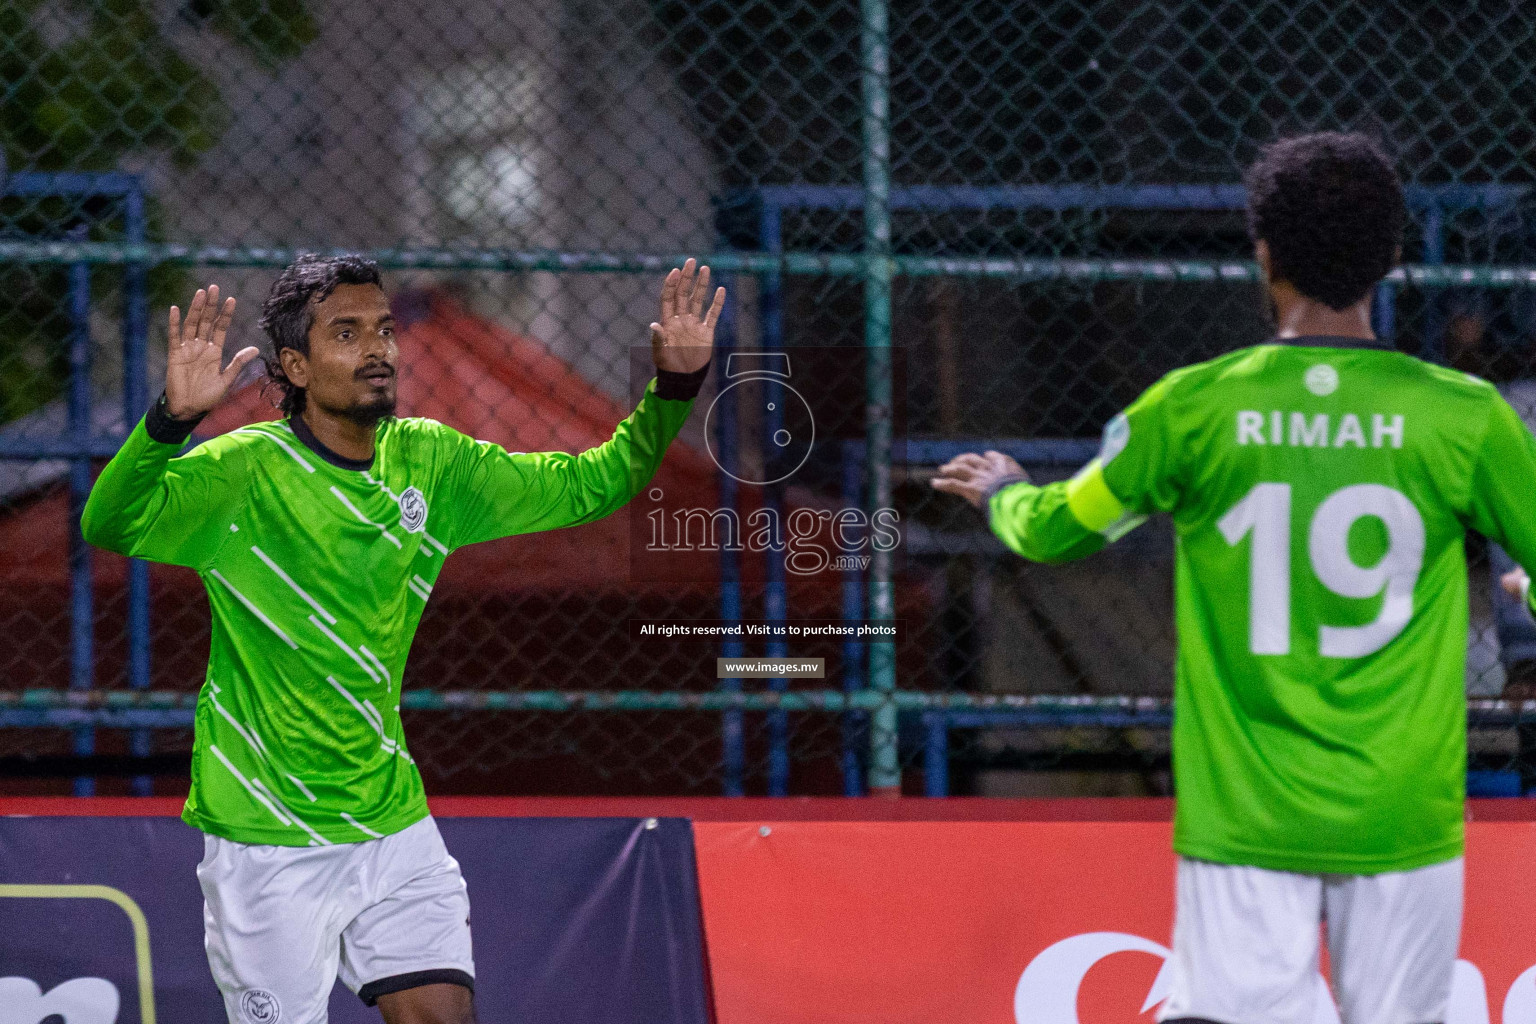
1034,205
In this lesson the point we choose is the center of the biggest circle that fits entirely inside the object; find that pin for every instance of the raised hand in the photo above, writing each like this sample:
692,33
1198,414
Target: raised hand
973,476
194,379
681,339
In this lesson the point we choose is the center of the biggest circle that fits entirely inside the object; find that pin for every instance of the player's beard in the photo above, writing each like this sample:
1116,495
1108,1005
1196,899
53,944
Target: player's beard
369,411
366,412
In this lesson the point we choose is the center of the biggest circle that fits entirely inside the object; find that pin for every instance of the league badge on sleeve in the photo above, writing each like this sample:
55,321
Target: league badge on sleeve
1117,434
413,510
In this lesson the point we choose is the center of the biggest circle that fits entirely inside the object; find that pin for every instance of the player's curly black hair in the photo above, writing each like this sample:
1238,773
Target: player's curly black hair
289,311
1330,206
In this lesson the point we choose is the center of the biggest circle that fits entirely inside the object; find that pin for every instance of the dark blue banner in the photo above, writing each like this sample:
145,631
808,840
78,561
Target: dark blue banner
574,919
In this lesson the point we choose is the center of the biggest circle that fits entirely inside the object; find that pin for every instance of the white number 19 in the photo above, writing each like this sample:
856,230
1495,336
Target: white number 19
1266,512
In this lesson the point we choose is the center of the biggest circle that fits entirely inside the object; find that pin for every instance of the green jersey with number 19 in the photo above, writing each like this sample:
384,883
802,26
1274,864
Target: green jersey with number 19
317,570
1320,491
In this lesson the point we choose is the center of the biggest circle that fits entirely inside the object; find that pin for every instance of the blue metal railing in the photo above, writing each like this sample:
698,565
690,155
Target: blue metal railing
1432,203
80,444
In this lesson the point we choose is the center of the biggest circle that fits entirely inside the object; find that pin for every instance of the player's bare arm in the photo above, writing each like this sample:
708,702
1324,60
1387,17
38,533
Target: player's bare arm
683,336
196,378
977,477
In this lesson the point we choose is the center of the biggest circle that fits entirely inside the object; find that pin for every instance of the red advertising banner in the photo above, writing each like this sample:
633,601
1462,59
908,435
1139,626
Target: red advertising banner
1023,922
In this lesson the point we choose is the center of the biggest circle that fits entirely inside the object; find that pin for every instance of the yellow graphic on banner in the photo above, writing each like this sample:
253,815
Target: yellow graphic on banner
128,906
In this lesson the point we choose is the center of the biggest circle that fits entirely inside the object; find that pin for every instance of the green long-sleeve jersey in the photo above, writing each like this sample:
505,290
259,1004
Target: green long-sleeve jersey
1320,492
317,570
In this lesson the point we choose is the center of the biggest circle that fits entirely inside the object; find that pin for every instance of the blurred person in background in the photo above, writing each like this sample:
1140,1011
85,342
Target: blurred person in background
318,538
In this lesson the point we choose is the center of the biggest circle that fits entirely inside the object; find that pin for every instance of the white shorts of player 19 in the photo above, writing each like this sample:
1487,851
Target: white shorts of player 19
1245,945
282,922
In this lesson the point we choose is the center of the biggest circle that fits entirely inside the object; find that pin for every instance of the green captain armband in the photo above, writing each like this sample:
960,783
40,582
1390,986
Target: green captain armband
1095,506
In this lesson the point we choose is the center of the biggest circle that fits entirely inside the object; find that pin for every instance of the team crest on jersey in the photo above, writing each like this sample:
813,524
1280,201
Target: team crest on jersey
413,510
1322,379
1117,434
258,1006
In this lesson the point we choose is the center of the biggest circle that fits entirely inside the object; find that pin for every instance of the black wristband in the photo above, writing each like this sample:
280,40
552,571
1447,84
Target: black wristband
680,387
161,426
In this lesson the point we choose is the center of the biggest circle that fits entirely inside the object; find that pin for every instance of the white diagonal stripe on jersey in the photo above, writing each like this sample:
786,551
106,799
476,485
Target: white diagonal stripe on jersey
376,662
364,519
374,720
360,826
339,642
356,704
303,788
284,444
265,797
255,793
424,584
381,485
249,735
253,609
296,588
417,590
441,547
389,745
316,836
378,719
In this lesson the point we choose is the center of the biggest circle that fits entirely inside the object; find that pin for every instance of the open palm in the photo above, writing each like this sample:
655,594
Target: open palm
195,378
682,339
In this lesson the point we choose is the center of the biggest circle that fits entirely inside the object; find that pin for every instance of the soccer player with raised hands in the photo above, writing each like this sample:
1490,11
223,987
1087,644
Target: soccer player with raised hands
1320,487
318,538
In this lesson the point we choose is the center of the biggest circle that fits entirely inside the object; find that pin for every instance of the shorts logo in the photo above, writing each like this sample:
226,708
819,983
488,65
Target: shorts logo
413,510
258,1006
1322,379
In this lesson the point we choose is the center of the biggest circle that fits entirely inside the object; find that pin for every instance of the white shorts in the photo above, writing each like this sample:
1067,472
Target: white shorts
283,922
1245,945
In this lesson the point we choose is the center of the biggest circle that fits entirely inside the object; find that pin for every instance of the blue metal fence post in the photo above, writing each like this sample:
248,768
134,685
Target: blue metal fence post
936,753
135,402
732,745
874,38
1384,311
1434,254
81,604
775,592
853,650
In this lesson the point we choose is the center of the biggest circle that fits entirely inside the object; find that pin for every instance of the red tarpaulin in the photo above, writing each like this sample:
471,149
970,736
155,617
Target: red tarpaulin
488,382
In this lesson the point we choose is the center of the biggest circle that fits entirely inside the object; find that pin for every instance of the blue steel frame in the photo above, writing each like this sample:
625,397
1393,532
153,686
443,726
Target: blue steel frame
1432,204
80,445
